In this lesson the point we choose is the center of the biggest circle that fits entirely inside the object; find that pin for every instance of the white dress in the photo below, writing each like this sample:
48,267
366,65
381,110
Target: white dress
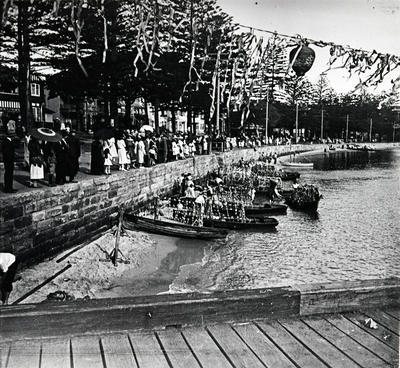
122,156
37,172
113,150
141,150
107,157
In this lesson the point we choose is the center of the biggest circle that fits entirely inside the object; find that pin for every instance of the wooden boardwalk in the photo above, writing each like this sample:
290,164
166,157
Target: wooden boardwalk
333,340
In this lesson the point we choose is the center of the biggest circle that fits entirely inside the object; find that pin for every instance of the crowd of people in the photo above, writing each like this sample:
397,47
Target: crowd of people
58,162
54,161
133,149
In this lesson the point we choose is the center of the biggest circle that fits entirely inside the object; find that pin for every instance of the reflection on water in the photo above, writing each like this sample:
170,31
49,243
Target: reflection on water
354,235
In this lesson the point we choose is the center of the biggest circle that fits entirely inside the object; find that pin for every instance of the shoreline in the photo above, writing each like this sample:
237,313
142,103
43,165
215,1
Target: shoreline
92,276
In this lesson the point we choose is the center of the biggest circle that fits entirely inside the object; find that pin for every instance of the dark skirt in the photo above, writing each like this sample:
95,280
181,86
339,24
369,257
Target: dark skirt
8,278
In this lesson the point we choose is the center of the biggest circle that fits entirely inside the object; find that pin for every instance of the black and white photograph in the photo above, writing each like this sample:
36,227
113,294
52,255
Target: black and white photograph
199,183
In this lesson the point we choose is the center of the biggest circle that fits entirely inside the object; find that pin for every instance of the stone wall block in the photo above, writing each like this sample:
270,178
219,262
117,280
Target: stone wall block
53,212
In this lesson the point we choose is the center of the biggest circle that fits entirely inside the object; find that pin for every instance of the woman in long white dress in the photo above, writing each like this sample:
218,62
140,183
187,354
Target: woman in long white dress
113,150
122,156
141,151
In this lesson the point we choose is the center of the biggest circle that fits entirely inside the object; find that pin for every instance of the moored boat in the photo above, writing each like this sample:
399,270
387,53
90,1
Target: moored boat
299,165
266,209
259,223
171,228
304,198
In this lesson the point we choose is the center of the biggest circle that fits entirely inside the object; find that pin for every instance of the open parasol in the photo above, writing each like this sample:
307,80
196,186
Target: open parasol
46,134
145,128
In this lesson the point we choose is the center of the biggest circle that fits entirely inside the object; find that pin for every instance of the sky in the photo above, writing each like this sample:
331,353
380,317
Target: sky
365,24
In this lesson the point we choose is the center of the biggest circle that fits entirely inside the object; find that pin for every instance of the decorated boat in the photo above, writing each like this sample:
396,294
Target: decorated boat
259,223
304,197
171,228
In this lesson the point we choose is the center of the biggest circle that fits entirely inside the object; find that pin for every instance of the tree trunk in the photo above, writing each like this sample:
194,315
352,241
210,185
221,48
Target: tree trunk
24,66
146,111
173,118
194,123
189,119
128,113
156,117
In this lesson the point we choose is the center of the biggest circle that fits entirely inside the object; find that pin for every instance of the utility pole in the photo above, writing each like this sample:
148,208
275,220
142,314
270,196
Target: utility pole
218,103
347,128
322,123
370,130
266,117
297,122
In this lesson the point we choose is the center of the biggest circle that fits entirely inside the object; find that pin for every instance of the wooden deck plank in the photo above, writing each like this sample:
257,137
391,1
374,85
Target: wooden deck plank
205,349
176,349
24,354
291,346
388,354
117,351
265,349
56,353
148,351
395,313
348,346
384,319
86,352
381,333
236,350
329,354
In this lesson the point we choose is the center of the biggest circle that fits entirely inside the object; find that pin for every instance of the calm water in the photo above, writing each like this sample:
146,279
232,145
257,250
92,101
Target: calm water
355,235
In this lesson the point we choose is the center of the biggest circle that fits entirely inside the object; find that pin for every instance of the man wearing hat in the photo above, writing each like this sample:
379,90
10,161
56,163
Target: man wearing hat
8,151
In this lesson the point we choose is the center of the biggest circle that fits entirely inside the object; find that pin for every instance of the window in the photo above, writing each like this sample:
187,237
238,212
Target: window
35,89
36,111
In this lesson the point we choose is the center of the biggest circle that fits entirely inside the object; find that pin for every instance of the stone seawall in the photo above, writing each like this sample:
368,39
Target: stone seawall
39,223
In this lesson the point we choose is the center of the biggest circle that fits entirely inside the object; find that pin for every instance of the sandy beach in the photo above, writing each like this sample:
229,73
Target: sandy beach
93,275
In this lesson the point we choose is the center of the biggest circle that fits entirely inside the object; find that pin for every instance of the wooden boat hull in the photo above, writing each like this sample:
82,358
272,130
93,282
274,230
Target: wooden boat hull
267,209
259,223
169,228
311,206
299,165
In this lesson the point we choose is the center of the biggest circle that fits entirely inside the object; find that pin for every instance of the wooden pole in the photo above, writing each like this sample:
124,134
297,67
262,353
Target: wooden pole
36,288
297,122
347,127
322,124
266,117
218,103
117,238
370,130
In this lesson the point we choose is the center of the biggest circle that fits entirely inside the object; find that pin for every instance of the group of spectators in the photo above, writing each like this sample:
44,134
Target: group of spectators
52,161
58,162
132,149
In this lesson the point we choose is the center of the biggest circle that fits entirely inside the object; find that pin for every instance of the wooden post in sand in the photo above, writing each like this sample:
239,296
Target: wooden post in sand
116,250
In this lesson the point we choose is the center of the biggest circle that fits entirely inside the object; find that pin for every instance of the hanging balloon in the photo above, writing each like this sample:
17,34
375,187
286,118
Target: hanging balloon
304,60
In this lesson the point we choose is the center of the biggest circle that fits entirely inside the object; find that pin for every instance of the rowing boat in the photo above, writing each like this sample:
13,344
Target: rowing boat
302,165
259,223
171,228
266,209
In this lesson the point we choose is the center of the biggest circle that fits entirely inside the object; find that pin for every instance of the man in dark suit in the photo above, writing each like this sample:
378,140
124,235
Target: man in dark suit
75,151
8,150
